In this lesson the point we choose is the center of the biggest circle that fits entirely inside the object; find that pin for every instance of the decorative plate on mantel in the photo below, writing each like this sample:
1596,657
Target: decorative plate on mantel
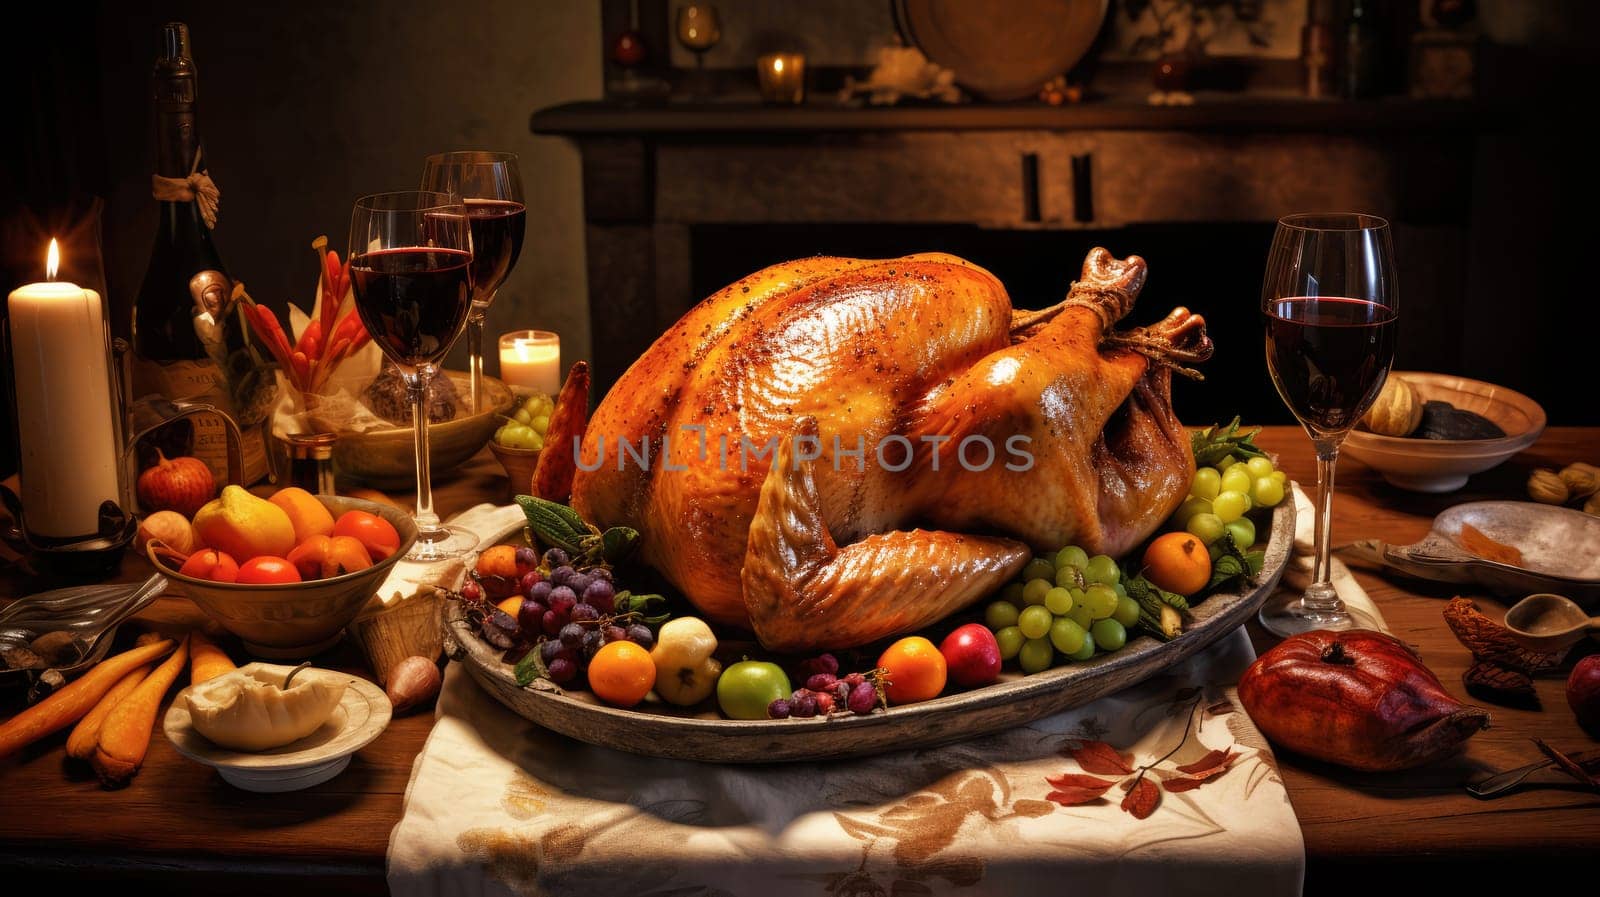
1002,51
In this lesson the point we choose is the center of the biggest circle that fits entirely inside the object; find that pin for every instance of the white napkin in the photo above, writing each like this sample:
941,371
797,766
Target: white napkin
490,523
498,805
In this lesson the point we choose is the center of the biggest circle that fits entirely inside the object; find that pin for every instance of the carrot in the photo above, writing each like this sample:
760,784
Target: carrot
206,660
69,705
125,736
86,734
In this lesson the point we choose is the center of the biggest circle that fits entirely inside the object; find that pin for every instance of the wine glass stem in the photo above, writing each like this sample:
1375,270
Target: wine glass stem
475,352
427,521
1320,596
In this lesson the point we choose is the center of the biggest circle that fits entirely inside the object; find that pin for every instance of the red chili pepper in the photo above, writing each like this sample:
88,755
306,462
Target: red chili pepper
302,369
310,341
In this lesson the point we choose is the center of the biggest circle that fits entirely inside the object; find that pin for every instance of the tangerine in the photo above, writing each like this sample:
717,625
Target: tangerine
1178,562
915,669
621,673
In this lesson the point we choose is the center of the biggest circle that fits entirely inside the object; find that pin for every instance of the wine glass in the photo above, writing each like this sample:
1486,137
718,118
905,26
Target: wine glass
1331,309
699,29
491,189
411,271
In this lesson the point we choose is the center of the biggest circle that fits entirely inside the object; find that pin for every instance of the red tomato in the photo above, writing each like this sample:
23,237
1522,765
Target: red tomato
377,534
267,570
209,563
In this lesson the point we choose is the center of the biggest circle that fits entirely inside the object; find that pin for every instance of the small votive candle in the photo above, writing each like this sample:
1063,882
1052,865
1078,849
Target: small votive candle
783,78
530,361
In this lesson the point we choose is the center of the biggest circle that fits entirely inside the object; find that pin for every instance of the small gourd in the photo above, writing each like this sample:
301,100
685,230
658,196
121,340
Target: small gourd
1398,410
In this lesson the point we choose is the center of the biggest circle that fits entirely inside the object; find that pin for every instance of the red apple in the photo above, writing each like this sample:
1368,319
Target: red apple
972,655
1583,693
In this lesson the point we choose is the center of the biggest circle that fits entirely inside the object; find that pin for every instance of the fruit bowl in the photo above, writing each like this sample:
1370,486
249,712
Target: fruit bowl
385,458
1443,465
293,621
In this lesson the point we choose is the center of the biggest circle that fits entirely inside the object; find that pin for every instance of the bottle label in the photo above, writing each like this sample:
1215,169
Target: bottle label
202,381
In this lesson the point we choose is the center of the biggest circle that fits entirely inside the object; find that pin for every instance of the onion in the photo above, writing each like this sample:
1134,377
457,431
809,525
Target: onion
169,527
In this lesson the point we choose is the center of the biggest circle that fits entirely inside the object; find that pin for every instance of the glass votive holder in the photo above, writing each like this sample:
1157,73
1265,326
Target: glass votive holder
530,361
782,77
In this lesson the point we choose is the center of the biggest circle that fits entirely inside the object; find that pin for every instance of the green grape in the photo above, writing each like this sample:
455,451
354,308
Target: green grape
536,442
1039,568
1083,653
1034,622
999,615
1280,476
1067,636
1266,492
1243,533
1036,655
1226,462
1192,506
1102,569
1080,615
1205,527
1033,592
522,416
1067,577
1058,601
1230,506
541,423
1109,635
1237,479
1010,640
1207,483
1259,467
1127,612
1072,556
1012,593
1120,589
1102,601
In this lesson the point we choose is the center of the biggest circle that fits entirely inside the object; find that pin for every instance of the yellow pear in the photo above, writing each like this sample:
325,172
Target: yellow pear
244,526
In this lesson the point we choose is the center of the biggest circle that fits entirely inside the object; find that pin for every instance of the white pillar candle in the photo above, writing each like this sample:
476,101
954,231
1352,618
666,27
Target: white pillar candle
531,360
64,407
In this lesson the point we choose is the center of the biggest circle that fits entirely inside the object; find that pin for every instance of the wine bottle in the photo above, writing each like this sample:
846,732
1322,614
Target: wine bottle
188,340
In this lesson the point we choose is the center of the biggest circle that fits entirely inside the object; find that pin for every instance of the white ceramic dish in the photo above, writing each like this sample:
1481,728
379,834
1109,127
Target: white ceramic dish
361,716
1443,465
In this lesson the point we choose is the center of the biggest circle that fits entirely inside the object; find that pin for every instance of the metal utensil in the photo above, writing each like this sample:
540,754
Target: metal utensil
89,624
1548,623
1501,784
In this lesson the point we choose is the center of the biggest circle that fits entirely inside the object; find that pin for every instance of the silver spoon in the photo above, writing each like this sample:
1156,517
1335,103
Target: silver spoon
1548,623
1508,781
92,625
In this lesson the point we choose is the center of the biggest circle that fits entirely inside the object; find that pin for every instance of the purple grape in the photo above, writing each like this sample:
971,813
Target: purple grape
562,599
601,574
550,650
530,615
562,670
778,709
497,635
600,594
528,581
584,613
863,698
577,582
615,634
841,693
562,575
471,591
640,635
572,635
526,558
825,703
554,558
593,641
821,682
541,592
803,705
822,663
854,679
552,622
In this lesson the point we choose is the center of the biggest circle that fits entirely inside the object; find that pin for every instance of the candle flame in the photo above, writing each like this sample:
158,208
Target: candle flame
777,65
52,260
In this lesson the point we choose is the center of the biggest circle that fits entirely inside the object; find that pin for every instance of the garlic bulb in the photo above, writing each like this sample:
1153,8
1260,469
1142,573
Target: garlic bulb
1397,411
1582,479
1544,486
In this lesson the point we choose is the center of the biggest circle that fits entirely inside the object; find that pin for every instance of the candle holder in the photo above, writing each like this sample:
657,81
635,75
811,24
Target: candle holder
530,361
783,78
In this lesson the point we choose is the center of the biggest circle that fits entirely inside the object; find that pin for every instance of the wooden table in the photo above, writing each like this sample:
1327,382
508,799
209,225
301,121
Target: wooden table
1362,832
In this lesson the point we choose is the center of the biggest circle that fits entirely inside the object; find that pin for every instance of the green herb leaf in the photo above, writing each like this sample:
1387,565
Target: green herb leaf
617,543
1214,443
652,609
1233,564
555,524
529,668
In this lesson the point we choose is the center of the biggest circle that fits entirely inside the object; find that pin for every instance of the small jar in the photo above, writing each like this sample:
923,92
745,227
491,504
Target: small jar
311,461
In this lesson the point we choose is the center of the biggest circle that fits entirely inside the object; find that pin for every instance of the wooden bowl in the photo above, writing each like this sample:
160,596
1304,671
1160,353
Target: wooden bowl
294,621
519,464
386,458
1443,465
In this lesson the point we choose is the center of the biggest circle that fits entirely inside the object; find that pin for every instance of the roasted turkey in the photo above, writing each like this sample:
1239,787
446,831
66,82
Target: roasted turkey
832,451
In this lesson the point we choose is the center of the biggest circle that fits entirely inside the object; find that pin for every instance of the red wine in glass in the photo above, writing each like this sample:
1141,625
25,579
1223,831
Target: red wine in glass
497,229
414,300
1329,356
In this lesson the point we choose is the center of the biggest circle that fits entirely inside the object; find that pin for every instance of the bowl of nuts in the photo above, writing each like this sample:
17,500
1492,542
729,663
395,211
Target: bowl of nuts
1430,432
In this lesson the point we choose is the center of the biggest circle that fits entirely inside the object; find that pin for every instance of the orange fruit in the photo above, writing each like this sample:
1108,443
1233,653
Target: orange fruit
511,605
1178,562
621,674
500,560
375,533
308,516
916,670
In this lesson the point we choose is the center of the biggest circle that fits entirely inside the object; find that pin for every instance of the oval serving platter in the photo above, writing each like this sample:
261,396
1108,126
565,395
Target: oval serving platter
657,730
